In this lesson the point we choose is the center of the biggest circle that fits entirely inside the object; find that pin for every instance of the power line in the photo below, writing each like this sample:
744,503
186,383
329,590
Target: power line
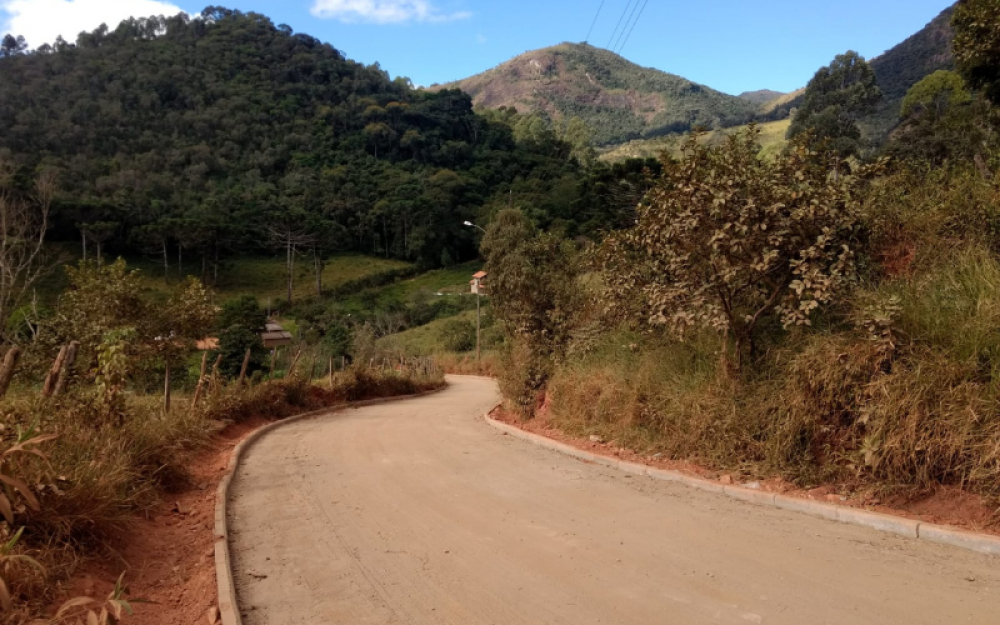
594,22
625,12
622,47
622,33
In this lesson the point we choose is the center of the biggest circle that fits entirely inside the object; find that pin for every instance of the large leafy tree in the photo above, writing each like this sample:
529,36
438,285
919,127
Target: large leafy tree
977,45
835,99
727,239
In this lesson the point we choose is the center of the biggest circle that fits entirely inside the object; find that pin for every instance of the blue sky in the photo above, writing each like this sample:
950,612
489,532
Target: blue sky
730,45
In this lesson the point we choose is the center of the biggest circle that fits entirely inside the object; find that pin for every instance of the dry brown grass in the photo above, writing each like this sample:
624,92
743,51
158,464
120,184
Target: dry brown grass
467,364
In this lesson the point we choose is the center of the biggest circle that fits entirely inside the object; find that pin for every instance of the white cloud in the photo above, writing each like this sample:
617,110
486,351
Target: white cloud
41,21
384,11
481,38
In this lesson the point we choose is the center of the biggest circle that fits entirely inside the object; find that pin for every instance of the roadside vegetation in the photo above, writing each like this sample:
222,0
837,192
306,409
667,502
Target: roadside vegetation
827,316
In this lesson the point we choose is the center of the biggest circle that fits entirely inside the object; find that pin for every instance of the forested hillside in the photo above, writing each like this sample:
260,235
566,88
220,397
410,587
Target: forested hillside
619,100
228,134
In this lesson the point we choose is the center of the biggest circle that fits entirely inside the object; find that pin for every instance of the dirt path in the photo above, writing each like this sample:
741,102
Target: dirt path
419,512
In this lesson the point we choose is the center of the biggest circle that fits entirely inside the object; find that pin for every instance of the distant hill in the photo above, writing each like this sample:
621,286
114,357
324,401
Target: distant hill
905,65
760,97
618,99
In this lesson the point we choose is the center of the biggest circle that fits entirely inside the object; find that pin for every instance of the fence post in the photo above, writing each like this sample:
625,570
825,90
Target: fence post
243,369
331,373
50,379
64,371
295,361
201,380
7,370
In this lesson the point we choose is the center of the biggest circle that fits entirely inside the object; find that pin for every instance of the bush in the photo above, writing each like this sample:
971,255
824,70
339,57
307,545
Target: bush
457,336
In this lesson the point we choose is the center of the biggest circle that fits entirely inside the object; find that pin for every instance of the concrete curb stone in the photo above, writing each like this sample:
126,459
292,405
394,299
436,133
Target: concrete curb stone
229,611
907,528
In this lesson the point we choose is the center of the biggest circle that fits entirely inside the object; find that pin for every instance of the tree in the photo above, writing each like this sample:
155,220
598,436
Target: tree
24,222
835,99
12,46
942,121
727,239
532,282
935,94
977,45
241,322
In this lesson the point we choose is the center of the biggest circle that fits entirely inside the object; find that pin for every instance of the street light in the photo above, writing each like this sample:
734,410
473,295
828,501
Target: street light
469,223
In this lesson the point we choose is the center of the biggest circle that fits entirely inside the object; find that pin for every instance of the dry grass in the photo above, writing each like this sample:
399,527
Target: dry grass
466,364
905,413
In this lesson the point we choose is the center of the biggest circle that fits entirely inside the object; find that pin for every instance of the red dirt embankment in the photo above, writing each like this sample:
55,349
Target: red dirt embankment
947,505
169,556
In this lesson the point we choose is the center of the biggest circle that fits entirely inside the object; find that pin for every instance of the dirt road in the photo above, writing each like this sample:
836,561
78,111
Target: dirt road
419,512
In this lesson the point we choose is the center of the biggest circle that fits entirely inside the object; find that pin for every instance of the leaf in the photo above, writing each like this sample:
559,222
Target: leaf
5,509
4,595
22,488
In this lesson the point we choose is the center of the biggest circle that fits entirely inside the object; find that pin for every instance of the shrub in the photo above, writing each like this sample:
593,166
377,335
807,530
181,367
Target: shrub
457,335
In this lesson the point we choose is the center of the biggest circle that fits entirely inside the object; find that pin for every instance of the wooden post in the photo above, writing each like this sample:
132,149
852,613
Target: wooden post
478,319
201,380
53,376
274,356
216,379
343,363
331,373
295,361
63,378
312,369
166,386
7,370
243,369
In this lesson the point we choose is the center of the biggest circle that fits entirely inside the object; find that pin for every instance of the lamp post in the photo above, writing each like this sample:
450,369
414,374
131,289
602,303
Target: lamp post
478,298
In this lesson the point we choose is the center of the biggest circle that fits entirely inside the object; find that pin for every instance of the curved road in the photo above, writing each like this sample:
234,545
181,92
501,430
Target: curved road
419,512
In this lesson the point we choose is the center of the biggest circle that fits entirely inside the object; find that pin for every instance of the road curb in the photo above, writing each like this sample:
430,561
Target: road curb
228,608
907,528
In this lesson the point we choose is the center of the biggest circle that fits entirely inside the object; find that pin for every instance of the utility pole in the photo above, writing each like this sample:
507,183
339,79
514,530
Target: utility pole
478,322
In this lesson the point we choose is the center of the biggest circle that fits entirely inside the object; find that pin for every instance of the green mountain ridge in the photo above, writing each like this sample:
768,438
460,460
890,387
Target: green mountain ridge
618,99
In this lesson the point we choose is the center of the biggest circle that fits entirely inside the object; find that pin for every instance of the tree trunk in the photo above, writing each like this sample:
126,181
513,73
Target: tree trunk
319,273
288,269
215,268
53,376
295,361
67,365
83,233
166,263
331,373
166,387
8,368
100,254
180,263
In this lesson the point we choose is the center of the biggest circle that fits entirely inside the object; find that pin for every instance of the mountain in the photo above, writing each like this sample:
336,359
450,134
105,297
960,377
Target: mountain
219,133
762,96
905,65
618,99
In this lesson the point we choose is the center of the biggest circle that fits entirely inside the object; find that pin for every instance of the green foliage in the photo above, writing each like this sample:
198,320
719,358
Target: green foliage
726,240
243,311
165,165
935,94
835,99
456,335
234,341
113,368
532,281
977,45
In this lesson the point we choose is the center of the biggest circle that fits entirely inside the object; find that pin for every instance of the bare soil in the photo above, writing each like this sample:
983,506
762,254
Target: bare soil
946,505
168,556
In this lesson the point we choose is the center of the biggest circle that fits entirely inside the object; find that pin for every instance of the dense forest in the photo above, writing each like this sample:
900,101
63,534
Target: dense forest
197,138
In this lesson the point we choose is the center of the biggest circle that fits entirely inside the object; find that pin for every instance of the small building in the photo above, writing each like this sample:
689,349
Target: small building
478,283
275,336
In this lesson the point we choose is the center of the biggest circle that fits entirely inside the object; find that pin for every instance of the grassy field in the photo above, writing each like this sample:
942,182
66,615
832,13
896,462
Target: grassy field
449,282
772,139
260,276
425,340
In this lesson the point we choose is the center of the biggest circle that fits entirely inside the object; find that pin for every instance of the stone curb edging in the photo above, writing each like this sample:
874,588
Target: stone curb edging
229,611
970,541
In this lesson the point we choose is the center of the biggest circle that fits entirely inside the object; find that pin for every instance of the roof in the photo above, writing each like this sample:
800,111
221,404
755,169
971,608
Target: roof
480,275
274,335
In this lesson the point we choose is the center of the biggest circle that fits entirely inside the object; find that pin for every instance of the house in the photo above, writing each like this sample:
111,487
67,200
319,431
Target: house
275,336
478,283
